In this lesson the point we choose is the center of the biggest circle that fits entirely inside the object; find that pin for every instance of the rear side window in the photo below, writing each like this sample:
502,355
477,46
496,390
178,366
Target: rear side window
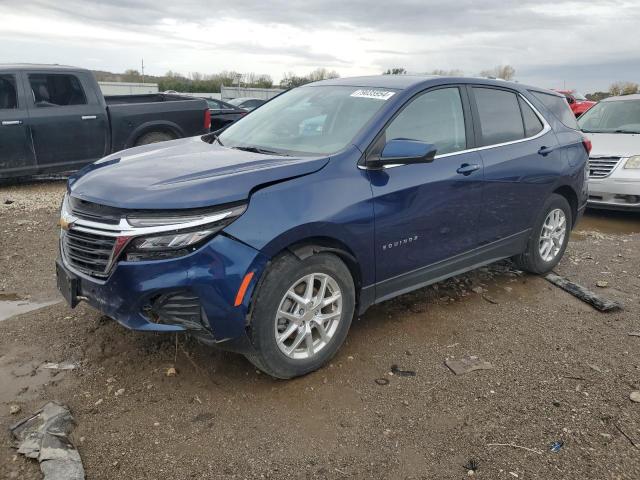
500,118
559,107
434,117
56,90
532,124
8,92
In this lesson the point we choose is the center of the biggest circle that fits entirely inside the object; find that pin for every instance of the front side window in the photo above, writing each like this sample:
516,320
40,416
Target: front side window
500,117
8,92
559,107
615,116
313,120
434,117
56,90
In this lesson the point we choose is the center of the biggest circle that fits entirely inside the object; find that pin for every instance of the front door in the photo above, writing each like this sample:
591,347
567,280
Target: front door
69,125
16,150
428,213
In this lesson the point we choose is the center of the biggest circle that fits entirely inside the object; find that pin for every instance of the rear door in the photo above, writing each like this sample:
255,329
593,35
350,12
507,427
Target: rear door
68,123
426,213
517,175
16,150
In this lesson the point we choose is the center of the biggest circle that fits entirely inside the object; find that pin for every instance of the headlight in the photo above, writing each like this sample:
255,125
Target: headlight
177,242
633,162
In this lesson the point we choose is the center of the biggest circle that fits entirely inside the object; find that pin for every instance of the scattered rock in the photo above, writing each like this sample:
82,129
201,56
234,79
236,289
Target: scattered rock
14,409
467,364
382,381
171,372
634,334
119,392
635,396
478,290
602,283
60,366
490,299
156,424
99,401
402,373
8,202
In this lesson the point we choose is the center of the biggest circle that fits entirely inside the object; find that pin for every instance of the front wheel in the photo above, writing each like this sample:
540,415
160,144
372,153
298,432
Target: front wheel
549,237
302,314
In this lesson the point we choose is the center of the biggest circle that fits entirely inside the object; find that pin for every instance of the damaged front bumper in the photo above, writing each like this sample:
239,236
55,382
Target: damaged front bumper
195,293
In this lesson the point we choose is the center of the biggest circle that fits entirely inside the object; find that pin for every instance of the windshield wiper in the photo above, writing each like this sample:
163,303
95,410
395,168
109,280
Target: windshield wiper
621,130
260,150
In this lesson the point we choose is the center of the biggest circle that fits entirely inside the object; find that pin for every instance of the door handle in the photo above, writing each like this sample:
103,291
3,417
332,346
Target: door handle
468,168
544,151
7,123
89,117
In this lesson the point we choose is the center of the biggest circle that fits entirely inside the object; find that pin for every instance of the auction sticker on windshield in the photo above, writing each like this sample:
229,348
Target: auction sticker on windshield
377,94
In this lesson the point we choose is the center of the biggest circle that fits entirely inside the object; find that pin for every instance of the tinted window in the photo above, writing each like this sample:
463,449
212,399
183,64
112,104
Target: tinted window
55,90
500,118
435,117
532,124
559,107
8,93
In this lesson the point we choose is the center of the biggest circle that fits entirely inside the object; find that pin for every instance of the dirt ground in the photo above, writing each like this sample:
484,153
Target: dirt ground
562,372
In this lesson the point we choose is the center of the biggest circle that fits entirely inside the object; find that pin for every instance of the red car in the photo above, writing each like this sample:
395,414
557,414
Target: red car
578,103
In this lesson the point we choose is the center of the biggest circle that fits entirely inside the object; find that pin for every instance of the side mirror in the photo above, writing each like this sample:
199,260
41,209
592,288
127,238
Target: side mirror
570,100
404,151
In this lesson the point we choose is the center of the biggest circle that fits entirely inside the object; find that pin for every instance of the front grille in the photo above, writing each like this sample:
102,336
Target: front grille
602,167
88,252
95,212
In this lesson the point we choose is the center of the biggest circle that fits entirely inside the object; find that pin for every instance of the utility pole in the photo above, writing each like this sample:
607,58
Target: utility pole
143,70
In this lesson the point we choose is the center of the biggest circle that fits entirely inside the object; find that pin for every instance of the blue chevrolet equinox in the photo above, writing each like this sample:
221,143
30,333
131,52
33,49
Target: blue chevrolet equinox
269,237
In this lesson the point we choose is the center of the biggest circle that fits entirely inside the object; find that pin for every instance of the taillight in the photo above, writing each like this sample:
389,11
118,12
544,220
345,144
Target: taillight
587,144
207,119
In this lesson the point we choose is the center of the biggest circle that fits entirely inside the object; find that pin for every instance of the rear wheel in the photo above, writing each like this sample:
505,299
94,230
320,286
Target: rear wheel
154,137
301,315
549,237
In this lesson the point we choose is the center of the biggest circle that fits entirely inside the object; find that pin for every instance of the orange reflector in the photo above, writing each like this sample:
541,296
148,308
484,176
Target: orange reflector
243,288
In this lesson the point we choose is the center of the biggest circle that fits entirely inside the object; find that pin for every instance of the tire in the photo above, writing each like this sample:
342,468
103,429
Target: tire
532,260
285,273
154,137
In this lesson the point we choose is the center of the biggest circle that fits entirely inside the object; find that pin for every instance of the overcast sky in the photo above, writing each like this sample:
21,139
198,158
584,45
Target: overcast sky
585,45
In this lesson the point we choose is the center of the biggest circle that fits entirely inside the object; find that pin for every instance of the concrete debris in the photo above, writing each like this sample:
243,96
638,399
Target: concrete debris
599,303
467,364
634,334
14,409
171,372
60,366
602,283
635,396
44,436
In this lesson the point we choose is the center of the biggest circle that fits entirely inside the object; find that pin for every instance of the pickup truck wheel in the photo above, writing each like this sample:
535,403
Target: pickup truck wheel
302,314
549,237
154,137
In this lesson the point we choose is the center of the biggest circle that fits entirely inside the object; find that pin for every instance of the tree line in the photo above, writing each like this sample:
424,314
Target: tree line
197,82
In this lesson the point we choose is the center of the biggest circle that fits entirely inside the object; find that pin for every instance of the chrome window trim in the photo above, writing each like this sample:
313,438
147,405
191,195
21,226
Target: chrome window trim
546,128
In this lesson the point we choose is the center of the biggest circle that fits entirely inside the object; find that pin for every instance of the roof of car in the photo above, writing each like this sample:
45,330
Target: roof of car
401,82
635,96
36,66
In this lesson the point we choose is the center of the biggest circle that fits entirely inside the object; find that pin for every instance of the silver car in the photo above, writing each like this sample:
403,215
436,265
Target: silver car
613,126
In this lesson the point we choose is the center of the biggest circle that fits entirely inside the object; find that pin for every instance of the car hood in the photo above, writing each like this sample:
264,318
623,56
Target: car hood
185,173
614,144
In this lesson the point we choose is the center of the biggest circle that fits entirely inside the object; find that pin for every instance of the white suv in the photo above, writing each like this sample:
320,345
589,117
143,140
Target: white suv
613,126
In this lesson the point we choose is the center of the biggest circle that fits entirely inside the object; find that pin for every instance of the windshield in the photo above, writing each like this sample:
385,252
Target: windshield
617,116
578,96
236,101
307,120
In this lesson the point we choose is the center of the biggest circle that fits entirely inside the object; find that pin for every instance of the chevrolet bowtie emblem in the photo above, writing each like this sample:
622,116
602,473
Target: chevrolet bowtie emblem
65,223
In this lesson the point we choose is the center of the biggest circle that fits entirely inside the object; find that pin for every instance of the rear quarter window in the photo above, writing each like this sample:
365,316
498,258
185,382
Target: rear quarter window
559,107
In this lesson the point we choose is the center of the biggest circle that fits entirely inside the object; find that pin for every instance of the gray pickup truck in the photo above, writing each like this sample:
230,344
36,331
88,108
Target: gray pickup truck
55,119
